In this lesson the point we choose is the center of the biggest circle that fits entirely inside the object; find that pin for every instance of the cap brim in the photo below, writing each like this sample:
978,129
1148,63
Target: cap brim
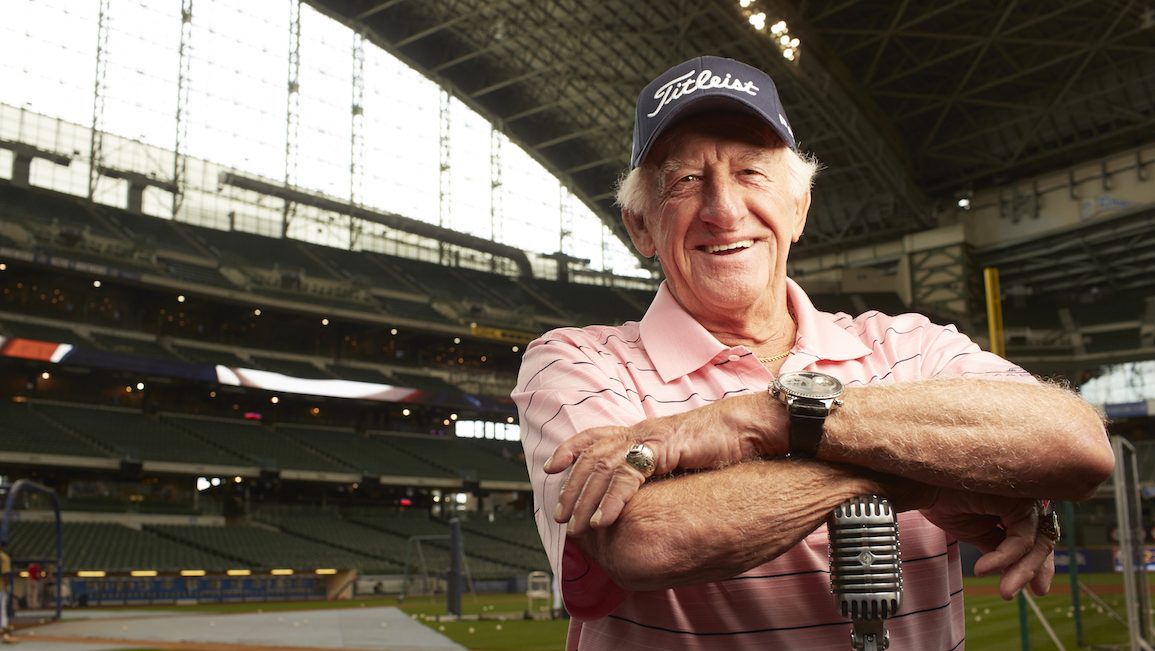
705,104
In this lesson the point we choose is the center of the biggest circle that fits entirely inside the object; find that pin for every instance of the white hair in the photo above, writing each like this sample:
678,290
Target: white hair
637,188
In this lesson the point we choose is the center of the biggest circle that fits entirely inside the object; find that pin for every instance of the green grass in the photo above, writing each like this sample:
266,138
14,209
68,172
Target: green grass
992,624
486,634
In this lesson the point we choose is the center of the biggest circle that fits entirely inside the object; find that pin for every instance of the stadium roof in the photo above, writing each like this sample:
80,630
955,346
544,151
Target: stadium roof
905,103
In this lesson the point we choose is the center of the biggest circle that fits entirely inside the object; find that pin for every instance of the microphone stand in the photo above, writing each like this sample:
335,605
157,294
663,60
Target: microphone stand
865,568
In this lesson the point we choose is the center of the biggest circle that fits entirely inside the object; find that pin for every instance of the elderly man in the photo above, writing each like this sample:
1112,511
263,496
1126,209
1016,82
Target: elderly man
682,503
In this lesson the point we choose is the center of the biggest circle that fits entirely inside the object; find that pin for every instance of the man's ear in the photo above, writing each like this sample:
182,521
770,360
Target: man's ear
803,209
641,236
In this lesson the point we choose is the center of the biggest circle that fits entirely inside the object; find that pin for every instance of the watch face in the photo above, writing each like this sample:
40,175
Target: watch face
809,384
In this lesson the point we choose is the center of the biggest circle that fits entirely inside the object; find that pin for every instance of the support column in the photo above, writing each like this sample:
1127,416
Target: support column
496,184
357,135
445,181
96,137
292,110
179,160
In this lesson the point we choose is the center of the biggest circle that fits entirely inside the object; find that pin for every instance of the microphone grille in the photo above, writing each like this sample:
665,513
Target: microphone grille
865,563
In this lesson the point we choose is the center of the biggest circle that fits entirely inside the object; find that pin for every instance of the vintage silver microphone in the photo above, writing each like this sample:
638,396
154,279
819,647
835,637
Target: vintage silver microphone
865,568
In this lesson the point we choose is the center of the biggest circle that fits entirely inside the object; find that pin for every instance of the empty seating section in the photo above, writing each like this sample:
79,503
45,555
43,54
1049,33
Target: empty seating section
195,273
23,429
257,547
290,367
435,279
370,269
490,460
410,310
516,541
597,304
210,356
35,206
427,545
112,547
425,383
260,445
371,541
131,345
154,232
467,457
264,252
43,332
359,374
109,432
137,436
387,550
366,455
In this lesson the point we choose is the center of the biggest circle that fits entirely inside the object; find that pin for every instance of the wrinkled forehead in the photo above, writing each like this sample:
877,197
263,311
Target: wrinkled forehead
749,137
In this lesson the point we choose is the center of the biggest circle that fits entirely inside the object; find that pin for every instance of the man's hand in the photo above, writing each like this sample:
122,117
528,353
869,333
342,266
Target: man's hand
1006,529
601,482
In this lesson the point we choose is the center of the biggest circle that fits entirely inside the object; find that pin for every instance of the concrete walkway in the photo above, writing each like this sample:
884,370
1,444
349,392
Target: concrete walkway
384,629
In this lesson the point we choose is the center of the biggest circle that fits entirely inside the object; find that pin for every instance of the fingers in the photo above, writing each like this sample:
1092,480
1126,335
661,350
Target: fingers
568,452
1024,557
595,497
1041,583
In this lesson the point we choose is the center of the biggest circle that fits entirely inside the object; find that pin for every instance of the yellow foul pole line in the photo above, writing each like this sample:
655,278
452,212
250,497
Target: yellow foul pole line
994,311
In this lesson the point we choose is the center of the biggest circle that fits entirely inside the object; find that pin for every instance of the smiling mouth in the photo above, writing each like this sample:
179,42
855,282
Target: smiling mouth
729,248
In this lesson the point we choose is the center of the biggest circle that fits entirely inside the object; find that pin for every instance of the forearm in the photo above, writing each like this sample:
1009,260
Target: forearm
1005,438
714,525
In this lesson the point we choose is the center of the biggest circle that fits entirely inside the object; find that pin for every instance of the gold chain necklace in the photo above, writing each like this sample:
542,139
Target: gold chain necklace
774,358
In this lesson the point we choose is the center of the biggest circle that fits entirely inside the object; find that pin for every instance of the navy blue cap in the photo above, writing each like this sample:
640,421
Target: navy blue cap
701,84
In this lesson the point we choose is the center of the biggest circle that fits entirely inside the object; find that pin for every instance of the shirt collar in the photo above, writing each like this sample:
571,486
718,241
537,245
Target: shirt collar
678,345
819,335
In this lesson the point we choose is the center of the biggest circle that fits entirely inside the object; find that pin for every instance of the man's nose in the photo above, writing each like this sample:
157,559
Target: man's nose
722,204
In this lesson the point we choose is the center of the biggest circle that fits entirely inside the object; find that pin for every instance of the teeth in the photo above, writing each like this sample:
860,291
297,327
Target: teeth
741,244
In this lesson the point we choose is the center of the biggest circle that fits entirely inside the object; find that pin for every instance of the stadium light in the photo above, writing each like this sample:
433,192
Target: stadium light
91,574
192,572
281,571
180,298
326,570
238,572
96,284
142,573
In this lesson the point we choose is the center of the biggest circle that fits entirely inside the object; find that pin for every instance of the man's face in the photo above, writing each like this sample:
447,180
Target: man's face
723,216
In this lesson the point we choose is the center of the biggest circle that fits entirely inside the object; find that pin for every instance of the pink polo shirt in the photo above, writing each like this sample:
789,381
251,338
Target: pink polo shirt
573,379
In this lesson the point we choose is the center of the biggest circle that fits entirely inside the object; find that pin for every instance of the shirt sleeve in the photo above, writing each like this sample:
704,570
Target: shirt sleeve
947,353
568,383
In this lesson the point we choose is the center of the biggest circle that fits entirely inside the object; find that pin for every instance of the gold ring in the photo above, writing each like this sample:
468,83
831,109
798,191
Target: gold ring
641,458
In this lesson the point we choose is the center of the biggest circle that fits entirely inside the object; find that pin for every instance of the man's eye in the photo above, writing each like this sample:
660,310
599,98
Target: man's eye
689,178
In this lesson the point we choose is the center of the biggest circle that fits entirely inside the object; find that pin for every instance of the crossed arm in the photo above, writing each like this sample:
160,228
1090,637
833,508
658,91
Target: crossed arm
973,455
